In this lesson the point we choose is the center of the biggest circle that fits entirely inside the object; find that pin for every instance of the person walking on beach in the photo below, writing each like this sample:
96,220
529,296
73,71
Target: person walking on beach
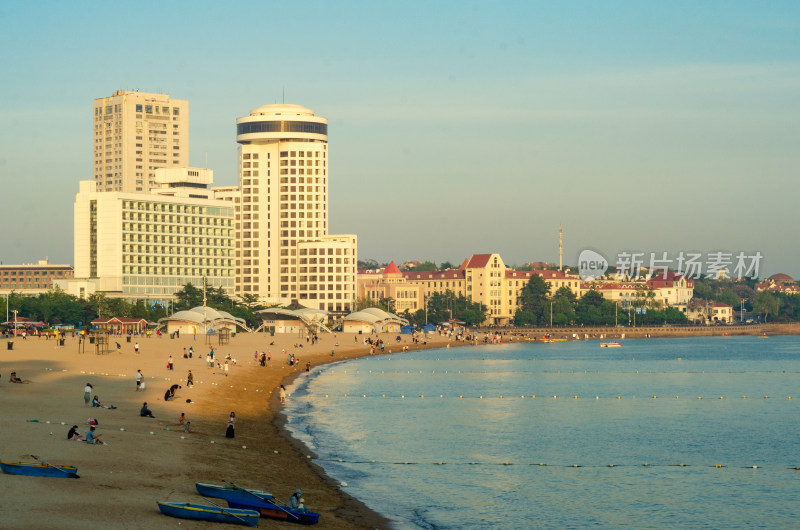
282,394
169,363
136,348
139,378
308,366
189,379
87,394
231,423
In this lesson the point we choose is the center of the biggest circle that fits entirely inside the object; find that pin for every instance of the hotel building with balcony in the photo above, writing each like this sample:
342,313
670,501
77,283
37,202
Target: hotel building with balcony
284,253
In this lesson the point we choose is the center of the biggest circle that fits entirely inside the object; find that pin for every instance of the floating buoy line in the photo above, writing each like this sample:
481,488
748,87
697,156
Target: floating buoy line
556,465
560,372
539,397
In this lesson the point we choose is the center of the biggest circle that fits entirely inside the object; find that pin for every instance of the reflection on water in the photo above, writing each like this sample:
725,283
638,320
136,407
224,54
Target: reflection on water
658,433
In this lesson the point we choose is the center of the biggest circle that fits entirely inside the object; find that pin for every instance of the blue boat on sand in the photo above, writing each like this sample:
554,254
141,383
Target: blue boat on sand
39,469
217,514
276,511
231,492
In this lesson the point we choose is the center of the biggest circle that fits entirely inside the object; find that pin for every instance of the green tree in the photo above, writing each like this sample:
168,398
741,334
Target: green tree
533,303
563,307
446,265
426,266
188,297
766,304
727,296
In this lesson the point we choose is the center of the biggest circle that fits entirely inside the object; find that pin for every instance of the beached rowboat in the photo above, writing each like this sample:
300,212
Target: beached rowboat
231,493
276,511
38,469
216,514
611,345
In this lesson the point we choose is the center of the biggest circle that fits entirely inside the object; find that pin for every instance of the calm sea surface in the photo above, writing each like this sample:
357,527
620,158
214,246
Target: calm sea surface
629,436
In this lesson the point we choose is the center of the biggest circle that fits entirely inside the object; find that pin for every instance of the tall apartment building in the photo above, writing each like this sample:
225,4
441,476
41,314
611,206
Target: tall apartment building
136,133
284,253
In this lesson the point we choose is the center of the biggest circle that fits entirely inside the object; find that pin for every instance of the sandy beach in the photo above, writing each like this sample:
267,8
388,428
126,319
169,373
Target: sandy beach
150,459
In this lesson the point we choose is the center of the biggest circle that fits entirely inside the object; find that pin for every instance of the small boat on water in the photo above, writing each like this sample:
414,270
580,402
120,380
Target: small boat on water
39,469
610,345
276,511
230,492
217,514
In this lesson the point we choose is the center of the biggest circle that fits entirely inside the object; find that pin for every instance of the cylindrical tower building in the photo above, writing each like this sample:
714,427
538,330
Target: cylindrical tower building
283,177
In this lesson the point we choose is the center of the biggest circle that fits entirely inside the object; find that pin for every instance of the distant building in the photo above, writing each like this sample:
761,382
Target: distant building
135,133
779,283
32,278
482,278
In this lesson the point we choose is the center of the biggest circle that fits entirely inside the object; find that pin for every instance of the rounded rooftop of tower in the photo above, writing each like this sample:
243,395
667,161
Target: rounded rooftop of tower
281,122
281,109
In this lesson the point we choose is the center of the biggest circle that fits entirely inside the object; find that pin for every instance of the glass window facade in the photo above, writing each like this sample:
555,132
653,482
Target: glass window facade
282,127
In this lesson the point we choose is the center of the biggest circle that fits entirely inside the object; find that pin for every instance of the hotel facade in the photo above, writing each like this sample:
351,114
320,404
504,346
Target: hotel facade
284,254
148,246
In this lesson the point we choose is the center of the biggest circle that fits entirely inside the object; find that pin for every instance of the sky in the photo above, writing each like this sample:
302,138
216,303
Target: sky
454,127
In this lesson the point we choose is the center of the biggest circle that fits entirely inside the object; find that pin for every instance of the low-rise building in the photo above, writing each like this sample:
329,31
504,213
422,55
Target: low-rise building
779,283
32,278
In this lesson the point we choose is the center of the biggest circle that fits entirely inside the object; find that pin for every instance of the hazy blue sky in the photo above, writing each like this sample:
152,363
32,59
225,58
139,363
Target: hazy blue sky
455,127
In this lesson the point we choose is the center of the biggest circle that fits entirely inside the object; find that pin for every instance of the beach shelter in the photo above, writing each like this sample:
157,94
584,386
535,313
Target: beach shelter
429,328
406,330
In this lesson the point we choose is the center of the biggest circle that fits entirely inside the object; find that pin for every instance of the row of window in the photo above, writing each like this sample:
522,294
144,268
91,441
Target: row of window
281,127
37,273
177,208
153,272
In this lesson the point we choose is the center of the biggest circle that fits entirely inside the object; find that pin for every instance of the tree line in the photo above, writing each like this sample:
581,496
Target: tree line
56,307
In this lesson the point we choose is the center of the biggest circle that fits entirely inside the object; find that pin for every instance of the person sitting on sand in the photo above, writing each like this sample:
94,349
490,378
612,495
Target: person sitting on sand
73,435
92,438
15,379
296,502
187,428
96,402
181,418
145,412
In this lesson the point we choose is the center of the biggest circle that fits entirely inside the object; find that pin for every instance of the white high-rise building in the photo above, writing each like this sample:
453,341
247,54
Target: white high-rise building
136,133
284,253
147,246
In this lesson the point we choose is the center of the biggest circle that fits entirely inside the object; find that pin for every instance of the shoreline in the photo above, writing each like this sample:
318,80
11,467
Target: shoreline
152,459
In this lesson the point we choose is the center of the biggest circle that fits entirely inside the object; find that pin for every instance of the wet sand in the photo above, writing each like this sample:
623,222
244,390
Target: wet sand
150,459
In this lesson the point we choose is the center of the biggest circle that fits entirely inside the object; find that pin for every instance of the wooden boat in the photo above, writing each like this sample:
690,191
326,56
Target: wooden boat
230,492
39,469
276,511
217,514
610,345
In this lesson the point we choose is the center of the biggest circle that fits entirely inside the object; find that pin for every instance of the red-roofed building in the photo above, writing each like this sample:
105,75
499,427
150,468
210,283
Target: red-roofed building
483,278
391,283
121,325
779,283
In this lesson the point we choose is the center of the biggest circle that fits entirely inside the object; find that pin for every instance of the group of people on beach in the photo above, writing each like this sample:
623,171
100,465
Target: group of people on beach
91,437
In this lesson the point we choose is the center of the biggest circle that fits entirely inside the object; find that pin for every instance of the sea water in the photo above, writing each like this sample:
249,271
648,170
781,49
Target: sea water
660,433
